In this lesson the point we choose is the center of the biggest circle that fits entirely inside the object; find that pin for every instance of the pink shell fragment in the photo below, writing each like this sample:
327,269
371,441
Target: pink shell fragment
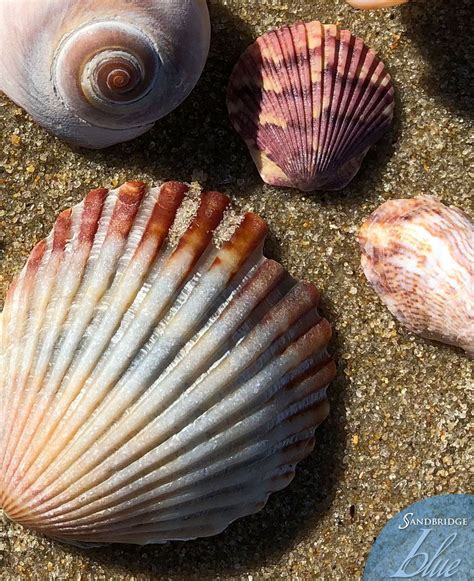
418,254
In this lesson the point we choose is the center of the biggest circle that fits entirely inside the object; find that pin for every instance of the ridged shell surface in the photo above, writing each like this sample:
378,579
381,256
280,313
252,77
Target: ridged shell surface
418,254
309,100
159,377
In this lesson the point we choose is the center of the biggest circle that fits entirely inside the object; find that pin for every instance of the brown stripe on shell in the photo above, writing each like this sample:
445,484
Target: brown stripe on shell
92,210
36,257
301,299
163,214
267,276
316,377
62,230
199,233
247,238
129,199
313,340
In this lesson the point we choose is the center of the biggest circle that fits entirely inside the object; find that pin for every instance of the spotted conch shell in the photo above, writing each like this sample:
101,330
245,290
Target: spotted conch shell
159,377
418,254
309,100
96,73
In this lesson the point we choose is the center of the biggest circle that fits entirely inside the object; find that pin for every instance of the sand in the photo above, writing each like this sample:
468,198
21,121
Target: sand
397,430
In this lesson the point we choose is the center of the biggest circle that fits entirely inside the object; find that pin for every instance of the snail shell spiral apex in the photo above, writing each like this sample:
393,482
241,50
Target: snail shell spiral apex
96,74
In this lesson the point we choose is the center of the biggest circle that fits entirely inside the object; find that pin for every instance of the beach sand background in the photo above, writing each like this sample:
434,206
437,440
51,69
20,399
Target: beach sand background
397,430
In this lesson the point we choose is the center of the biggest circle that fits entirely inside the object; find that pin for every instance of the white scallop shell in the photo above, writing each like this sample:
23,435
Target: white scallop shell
153,385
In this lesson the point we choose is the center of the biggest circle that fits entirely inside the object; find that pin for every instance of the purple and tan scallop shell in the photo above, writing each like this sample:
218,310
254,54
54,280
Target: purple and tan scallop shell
309,100
159,377
418,254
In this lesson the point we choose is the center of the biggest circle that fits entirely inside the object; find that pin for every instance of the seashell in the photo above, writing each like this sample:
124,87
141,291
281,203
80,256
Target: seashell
99,73
155,382
418,256
375,4
309,100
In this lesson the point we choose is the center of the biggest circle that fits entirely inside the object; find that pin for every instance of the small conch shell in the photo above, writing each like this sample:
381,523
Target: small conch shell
309,100
159,377
375,4
418,254
96,73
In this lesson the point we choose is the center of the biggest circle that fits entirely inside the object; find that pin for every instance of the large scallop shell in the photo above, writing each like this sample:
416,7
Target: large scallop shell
309,100
155,383
99,72
418,254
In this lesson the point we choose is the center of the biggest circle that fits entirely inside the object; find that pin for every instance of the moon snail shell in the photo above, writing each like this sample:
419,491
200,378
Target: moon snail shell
96,74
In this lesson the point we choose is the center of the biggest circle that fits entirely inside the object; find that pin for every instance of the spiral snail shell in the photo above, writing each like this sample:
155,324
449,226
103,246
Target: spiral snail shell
99,73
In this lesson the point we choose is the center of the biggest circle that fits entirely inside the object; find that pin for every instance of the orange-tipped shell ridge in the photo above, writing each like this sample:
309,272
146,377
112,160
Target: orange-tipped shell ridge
159,377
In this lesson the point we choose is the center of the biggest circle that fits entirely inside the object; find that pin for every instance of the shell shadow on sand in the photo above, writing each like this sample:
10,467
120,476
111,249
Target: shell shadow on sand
442,32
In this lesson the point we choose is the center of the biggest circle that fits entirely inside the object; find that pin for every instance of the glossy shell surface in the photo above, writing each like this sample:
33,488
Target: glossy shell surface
159,377
309,100
375,4
99,72
418,254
